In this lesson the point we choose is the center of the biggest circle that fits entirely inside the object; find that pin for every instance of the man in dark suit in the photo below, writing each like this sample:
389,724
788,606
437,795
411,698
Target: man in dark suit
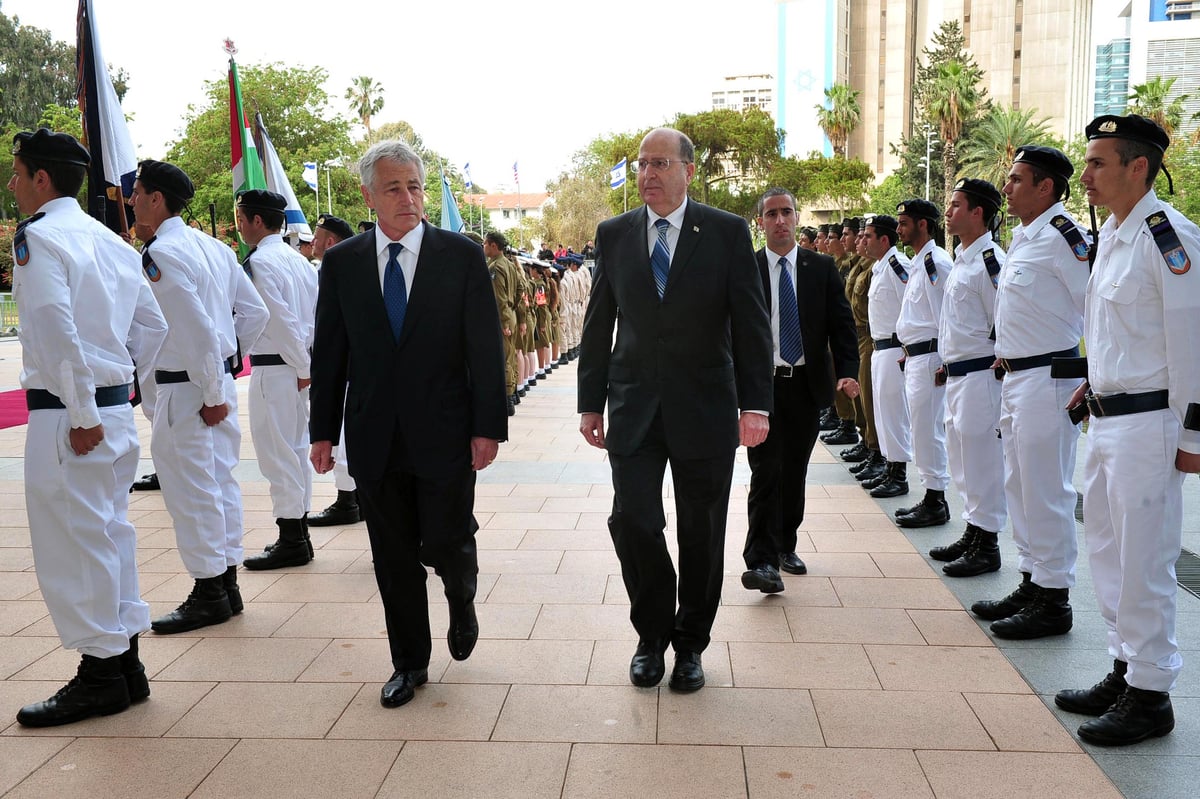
407,334
811,323
693,346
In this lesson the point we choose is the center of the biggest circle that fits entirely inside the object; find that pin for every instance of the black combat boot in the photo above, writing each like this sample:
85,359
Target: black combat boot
896,483
289,550
97,689
846,433
870,467
855,454
1100,697
828,420
134,672
982,556
1137,714
1048,614
344,510
952,552
229,580
932,511
207,604
994,609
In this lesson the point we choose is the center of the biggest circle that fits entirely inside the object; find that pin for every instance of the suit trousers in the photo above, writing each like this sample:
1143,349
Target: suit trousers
414,522
778,471
927,414
84,547
973,446
1133,506
1039,473
637,525
891,406
279,427
866,398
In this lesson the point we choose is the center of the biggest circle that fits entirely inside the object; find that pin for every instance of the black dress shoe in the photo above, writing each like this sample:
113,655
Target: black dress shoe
647,667
97,689
464,629
763,577
1135,716
402,687
147,482
688,674
790,562
1100,697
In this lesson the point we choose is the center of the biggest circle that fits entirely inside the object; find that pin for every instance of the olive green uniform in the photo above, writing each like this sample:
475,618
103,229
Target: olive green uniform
858,305
503,285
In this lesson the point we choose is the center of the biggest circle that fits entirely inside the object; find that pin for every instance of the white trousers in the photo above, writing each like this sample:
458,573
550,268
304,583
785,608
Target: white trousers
1039,471
891,406
83,544
927,412
1133,518
279,427
973,447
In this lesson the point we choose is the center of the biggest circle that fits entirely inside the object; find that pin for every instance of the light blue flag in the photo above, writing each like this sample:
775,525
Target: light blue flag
616,175
451,218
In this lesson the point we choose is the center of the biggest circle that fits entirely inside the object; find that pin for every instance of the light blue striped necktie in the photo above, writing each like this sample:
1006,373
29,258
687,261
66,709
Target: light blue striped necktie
791,347
660,260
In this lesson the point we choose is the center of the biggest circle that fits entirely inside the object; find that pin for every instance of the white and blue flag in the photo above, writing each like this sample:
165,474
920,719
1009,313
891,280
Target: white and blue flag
616,175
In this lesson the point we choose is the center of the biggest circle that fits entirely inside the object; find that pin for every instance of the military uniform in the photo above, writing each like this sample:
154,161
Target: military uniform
858,290
502,285
889,276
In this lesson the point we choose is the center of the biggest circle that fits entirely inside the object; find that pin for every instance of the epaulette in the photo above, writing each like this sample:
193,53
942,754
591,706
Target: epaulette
153,273
20,245
1074,238
899,269
993,266
1168,243
931,269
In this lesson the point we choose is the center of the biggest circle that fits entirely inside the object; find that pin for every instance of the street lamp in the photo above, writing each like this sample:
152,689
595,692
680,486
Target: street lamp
930,137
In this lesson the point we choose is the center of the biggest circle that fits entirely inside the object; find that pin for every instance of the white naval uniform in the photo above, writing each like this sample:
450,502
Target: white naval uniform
1142,328
1039,310
83,305
278,409
973,445
920,312
887,381
203,293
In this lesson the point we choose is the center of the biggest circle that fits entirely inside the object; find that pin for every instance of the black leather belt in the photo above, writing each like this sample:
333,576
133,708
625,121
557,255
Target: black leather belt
39,399
960,368
1067,368
1034,361
921,347
167,378
267,360
886,343
788,371
1191,419
1122,404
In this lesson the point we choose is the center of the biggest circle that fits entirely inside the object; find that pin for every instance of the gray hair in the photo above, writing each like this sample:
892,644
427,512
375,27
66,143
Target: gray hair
391,150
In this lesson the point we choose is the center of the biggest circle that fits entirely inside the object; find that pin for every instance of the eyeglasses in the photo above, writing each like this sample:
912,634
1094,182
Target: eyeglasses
657,164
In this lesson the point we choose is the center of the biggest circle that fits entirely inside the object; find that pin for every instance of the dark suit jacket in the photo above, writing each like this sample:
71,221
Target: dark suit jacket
699,355
826,322
441,384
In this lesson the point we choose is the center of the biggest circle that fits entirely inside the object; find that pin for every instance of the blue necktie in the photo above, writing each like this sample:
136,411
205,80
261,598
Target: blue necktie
395,294
791,347
660,260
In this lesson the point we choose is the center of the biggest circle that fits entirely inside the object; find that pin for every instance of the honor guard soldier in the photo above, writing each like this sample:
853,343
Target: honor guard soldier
331,230
966,344
845,408
279,379
865,454
1039,317
917,329
210,306
504,285
1142,328
889,276
822,237
81,300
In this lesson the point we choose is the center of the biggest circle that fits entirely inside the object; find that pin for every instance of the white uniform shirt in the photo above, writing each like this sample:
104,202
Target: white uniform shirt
921,308
1142,321
968,311
288,286
84,309
1039,305
886,292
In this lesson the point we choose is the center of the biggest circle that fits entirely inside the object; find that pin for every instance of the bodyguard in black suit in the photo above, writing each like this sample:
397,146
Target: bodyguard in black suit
811,323
408,336
693,346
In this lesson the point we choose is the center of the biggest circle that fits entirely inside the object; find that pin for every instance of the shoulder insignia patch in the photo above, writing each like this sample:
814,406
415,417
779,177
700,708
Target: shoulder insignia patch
20,245
931,268
1168,243
153,273
898,268
992,265
1074,238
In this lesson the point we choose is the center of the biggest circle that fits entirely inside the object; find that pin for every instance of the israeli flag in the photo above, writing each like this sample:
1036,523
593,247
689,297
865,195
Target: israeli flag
467,176
616,176
310,174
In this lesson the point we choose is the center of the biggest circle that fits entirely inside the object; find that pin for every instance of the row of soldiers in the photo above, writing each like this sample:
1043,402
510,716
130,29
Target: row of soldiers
541,312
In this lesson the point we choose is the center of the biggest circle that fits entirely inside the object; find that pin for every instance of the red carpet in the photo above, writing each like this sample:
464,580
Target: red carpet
12,408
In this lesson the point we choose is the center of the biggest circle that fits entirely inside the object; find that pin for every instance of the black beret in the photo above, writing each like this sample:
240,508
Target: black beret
982,192
335,225
823,229
835,229
1047,159
45,145
167,178
811,232
882,222
918,209
851,224
261,200
1132,127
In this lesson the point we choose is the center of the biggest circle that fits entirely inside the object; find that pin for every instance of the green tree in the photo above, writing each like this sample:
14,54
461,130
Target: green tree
840,116
888,194
950,103
580,202
735,148
366,100
35,71
1152,99
988,151
828,183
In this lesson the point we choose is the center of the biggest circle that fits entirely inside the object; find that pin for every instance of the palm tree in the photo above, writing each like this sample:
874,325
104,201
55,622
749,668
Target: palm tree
988,150
953,100
366,99
1150,100
841,117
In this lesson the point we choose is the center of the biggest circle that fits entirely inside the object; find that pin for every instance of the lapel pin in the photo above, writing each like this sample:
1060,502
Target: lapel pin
695,228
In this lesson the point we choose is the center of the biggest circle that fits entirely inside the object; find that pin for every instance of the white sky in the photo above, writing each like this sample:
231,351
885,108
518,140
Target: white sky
548,76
